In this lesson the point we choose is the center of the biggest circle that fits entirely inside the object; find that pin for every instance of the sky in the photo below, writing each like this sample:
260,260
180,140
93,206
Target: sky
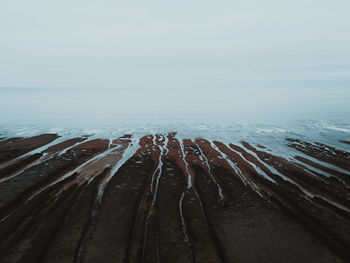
242,51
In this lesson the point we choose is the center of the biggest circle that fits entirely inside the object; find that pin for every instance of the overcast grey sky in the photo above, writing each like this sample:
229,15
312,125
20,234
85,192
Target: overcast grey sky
198,43
198,59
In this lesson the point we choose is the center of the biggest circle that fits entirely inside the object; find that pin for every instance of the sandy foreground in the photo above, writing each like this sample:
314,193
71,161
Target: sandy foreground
159,198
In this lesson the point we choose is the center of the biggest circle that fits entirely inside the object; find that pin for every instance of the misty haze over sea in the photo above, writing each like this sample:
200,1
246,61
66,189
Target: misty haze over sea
95,62
196,104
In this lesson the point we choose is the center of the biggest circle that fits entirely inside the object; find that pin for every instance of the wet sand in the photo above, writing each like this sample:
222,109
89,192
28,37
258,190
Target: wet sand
164,199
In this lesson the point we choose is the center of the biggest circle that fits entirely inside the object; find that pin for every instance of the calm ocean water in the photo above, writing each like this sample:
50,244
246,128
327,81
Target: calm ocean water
103,105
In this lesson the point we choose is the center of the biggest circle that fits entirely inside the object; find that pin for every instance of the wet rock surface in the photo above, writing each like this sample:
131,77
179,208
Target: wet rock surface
160,198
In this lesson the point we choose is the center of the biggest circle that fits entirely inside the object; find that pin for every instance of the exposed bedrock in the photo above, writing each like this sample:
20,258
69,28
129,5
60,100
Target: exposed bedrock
162,198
